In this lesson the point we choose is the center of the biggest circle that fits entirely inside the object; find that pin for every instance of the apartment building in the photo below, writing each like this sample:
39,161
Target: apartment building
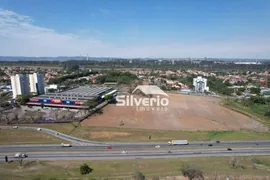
20,85
36,82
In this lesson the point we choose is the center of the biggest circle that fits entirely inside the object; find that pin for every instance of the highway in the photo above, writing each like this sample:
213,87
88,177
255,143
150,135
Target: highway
138,154
81,144
92,150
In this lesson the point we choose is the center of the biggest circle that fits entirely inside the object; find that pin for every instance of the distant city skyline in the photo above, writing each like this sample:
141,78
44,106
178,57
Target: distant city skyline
136,29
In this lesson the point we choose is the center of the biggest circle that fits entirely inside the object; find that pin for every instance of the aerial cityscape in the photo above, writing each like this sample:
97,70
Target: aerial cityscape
143,90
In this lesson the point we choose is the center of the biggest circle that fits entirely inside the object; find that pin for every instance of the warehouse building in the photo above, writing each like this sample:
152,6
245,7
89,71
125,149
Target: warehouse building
73,98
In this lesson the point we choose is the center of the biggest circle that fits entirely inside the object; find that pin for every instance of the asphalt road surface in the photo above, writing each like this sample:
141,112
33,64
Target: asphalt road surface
138,154
81,144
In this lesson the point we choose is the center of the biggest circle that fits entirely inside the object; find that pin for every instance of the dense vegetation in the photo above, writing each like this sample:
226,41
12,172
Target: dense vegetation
218,86
255,105
71,76
138,63
117,76
2,73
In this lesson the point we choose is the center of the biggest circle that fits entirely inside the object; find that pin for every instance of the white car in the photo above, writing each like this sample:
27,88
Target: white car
39,129
15,127
124,152
66,145
20,155
158,146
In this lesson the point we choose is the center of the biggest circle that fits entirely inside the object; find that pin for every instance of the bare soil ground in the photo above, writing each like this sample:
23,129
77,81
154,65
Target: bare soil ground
184,112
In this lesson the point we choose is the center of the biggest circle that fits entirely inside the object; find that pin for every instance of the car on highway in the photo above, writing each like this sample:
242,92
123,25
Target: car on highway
20,155
57,133
66,145
217,142
157,146
109,147
39,129
169,151
124,152
210,144
229,149
15,127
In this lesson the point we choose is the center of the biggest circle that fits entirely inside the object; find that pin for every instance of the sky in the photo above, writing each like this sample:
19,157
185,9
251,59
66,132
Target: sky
136,28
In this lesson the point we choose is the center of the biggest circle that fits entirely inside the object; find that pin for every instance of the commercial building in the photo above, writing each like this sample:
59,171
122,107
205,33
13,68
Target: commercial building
36,82
51,87
200,84
73,98
20,85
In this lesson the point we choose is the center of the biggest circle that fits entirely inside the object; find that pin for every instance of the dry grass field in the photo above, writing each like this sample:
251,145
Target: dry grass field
27,137
166,169
185,112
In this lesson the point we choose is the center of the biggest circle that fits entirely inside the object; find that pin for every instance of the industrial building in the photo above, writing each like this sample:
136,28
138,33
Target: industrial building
200,84
73,98
20,85
36,82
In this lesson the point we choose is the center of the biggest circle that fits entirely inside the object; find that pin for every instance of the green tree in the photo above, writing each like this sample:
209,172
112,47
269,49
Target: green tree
22,99
85,169
108,97
192,172
90,103
255,90
268,82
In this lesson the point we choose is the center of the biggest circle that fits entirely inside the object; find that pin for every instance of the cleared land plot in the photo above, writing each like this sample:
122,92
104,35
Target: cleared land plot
120,134
149,167
141,135
184,112
26,137
113,134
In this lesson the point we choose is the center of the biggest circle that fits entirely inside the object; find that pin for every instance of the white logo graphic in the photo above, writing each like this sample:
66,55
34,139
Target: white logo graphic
150,90
157,103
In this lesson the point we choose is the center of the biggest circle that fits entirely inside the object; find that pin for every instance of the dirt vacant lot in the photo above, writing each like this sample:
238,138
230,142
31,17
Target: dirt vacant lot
184,112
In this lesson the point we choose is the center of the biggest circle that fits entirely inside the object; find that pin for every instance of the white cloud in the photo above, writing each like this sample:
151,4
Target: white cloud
20,37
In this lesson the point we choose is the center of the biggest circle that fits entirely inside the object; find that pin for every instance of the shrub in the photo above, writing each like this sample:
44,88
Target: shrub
85,169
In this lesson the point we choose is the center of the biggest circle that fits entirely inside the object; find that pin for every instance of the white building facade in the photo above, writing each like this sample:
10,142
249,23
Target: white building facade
200,84
20,85
36,82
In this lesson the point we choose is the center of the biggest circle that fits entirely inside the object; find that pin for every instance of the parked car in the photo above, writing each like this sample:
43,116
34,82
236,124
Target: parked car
20,155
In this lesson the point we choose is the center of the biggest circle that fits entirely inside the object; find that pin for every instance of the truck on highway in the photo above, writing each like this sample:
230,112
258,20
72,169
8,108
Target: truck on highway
66,145
178,142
